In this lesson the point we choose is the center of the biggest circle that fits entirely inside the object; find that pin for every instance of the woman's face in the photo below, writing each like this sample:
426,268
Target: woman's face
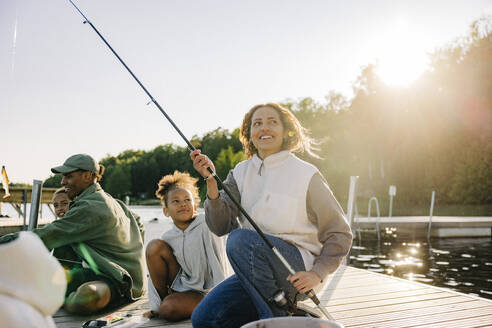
267,131
61,203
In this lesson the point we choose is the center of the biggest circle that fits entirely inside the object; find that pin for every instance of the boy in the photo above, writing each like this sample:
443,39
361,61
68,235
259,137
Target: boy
61,202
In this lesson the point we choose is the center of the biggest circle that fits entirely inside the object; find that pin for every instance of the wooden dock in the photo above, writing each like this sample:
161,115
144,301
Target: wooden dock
358,298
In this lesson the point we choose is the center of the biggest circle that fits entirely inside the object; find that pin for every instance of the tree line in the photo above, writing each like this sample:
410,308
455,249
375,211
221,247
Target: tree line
433,135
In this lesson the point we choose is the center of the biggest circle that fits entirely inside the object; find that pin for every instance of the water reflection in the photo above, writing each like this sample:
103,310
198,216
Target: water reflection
461,264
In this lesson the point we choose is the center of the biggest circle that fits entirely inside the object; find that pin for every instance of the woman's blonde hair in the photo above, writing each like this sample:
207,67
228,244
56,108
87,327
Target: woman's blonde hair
101,172
296,140
174,181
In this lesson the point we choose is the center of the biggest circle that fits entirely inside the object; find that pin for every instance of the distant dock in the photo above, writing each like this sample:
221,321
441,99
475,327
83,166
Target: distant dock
18,200
442,226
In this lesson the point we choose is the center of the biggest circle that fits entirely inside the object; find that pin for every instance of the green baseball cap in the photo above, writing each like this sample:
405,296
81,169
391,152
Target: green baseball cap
77,162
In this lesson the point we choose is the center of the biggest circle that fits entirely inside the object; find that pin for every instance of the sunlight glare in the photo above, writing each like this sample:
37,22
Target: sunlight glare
402,56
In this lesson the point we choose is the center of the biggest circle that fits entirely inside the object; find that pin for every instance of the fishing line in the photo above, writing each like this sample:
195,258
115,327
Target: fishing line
310,293
14,42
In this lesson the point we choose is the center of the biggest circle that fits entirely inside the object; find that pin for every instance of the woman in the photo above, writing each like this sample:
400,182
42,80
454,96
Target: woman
291,202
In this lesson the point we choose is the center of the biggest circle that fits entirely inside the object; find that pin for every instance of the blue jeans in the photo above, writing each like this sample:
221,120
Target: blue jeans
259,274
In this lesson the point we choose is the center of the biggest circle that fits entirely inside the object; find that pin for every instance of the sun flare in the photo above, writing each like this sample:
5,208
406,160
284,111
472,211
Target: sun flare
402,55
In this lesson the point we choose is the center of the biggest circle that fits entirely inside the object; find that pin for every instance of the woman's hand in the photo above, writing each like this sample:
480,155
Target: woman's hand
304,281
201,163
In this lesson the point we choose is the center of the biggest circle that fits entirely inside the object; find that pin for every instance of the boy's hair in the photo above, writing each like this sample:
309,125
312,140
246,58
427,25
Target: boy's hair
61,190
174,181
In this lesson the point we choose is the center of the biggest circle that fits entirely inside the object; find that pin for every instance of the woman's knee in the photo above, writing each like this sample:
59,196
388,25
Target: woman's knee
201,316
239,239
158,247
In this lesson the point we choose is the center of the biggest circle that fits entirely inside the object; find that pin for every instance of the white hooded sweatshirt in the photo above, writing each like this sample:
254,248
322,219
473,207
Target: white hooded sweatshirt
32,283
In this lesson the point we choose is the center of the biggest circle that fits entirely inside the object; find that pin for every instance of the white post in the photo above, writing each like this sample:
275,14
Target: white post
351,199
392,193
430,213
391,206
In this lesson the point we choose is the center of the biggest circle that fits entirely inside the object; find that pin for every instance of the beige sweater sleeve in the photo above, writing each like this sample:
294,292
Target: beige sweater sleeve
334,233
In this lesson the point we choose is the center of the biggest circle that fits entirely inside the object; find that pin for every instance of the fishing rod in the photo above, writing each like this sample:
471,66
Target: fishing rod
310,293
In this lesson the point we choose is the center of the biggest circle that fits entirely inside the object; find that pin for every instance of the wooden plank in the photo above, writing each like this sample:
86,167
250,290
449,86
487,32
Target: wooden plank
475,322
380,296
421,320
392,308
380,303
409,311
367,290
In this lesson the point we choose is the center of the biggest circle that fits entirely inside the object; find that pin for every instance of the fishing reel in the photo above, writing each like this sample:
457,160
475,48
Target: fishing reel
282,302
293,309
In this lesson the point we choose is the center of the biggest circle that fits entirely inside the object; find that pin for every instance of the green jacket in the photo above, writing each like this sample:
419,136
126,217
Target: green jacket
103,232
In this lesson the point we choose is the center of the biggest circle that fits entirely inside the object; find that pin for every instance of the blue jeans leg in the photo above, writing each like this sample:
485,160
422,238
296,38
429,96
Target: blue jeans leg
260,271
226,306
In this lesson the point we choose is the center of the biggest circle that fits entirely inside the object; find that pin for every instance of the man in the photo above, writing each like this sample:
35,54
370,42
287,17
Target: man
99,240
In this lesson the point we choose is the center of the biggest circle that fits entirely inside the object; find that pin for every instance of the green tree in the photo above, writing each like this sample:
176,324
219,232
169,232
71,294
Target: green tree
227,160
118,183
54,181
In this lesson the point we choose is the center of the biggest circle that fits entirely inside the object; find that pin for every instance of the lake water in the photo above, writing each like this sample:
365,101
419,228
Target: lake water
460,264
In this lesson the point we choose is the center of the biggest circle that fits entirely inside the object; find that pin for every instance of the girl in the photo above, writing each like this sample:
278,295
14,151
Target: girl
290,201
188,260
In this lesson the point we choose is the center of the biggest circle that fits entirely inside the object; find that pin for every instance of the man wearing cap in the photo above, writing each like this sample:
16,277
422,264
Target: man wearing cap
99,240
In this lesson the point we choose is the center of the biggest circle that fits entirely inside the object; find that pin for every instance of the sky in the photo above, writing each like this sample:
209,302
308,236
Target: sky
63,92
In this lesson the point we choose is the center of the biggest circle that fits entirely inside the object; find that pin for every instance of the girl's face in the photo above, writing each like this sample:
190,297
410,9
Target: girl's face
180,206
61,203
267,131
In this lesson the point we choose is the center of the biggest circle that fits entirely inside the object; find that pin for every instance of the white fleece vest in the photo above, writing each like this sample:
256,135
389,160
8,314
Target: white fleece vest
273,192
